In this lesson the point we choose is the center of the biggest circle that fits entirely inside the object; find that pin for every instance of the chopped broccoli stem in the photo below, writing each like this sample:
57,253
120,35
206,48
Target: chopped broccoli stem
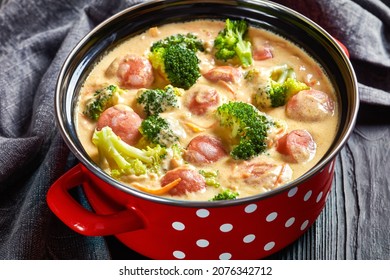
101,100
247,124
231,43
134,167
156,101
177,151
244,52
123,158
280,73
226,194
211,177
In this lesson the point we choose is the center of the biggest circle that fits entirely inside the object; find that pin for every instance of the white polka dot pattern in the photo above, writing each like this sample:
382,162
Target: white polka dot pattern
178,226
225,256
179,255
327,194
330,167
289,222
271,217
202,213
269,246
250,208
292,192
202,243
319,196
249,238
276,218
226,227
307,196
304,225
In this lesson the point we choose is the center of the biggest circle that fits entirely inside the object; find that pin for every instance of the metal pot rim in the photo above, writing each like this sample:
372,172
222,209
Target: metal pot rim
64,102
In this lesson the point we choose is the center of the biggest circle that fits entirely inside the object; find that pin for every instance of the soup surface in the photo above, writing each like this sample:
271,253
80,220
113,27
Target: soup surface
229,135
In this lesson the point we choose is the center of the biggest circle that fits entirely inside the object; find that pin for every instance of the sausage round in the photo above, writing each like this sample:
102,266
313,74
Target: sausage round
297,145
202,99
223,73
262,172
204,149
123,121
191,181
135,72
262,53
310,105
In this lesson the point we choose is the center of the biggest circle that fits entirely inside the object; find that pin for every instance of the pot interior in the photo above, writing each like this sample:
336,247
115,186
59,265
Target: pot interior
135,20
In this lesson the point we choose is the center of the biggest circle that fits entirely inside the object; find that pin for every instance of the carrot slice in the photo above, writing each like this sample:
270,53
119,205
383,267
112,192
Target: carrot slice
280,175
160,191
194,127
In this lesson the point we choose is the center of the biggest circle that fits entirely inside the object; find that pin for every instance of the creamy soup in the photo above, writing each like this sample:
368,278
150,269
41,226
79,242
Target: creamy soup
198,161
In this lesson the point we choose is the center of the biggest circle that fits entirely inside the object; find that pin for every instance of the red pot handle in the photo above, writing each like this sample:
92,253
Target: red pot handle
69,211
343,47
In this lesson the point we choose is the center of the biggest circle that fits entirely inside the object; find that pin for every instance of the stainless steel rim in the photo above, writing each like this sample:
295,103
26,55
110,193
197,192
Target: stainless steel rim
64,117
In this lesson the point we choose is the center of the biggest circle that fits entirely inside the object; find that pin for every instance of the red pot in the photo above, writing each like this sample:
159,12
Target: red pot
159,228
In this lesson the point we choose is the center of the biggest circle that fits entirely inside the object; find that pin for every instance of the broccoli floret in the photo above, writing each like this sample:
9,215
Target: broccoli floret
175,58
156,101
188,41
280,87
101,100
158,131
231,43
125,159
252,74
177,151
226,194
211,177
247,124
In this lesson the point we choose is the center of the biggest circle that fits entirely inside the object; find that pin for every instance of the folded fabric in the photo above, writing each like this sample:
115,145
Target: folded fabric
36,37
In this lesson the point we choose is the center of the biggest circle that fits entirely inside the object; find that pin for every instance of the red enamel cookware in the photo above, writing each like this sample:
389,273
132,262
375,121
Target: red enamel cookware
159,228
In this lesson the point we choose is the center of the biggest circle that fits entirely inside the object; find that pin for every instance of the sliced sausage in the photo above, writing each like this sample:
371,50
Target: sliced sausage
262,52
310,105
224,73
123,121
191,181
297,145
262,172
204,149
201,99
133,71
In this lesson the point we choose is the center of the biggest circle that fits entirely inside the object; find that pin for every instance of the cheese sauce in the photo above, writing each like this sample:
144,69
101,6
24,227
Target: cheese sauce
269,170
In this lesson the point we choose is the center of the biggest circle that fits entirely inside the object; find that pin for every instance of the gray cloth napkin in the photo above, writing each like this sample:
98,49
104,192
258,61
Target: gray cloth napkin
36,37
